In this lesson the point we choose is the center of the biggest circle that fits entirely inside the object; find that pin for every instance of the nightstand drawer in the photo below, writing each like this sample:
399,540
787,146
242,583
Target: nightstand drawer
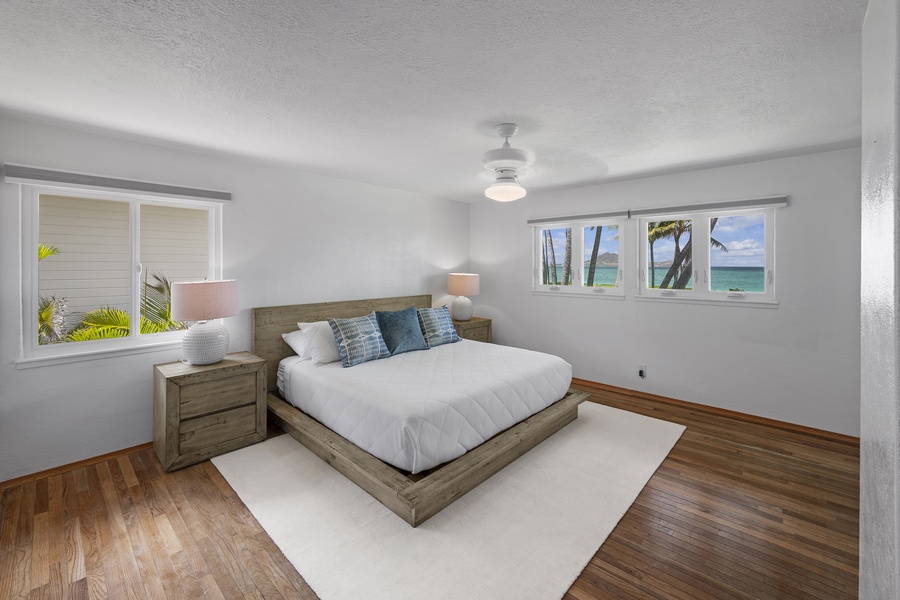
211,396
477,329
478,334
216,428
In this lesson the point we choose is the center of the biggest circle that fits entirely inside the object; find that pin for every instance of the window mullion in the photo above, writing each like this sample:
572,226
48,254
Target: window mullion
578,256
31,294
700,254
136,269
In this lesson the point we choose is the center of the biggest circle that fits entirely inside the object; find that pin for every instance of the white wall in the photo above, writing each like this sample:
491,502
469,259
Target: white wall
797,363
289,238
879,531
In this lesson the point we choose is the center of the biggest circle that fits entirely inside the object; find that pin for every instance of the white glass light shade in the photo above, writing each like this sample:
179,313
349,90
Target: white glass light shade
505,191
204,343
462,285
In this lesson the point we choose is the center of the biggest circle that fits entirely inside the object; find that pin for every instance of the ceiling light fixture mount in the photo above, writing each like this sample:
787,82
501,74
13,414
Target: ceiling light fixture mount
505,162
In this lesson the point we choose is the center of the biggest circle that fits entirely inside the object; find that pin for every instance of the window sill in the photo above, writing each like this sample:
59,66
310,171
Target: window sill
567,294
710,301
60,359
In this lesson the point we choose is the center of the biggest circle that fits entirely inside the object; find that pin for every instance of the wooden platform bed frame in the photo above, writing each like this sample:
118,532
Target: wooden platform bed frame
414,498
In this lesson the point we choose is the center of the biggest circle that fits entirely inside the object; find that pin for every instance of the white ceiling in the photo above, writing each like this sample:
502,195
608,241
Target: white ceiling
405,93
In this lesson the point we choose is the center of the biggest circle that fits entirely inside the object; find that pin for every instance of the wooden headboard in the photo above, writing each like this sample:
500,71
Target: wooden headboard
269,322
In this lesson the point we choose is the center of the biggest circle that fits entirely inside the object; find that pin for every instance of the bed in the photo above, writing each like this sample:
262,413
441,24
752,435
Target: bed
414,496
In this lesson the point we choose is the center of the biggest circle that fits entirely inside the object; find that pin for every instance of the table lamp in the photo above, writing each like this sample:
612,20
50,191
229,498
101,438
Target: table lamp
462,285
206,342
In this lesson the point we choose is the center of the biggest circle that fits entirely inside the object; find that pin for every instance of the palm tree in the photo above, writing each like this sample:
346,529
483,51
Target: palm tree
658,230
156,303
682,261
45,250
595,251
552,255
51,319
51,310
111,322
545,266
567,264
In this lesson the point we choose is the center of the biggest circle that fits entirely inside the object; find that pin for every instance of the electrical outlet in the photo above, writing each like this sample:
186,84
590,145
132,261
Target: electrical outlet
642,371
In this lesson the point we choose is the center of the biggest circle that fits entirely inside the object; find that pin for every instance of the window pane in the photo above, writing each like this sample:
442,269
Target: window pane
601,256
669,262
174,247
84,274
556,256
737,254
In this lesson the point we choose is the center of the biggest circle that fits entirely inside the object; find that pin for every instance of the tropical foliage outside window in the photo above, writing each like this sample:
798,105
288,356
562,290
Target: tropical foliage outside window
105,263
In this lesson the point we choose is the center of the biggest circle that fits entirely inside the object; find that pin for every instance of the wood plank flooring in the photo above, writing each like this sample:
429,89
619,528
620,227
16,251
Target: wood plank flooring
738,510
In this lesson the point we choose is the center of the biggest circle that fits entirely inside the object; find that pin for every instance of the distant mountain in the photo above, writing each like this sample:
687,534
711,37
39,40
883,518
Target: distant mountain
605,259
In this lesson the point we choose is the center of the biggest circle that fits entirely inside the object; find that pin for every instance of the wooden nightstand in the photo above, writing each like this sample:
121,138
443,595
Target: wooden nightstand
203,411
476,328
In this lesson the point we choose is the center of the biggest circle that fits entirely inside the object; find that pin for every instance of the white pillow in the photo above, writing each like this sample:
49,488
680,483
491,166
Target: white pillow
319,338
297,341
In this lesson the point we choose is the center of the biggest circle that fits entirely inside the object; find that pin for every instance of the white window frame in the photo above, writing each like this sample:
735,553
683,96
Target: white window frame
701,259
33,354
577,287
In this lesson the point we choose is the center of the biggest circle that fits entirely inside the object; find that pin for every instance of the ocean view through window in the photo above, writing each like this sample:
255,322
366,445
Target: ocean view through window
740,264
727,256
717,252
579,258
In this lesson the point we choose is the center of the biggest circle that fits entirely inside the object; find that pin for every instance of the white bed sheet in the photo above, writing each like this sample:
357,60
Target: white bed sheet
420,409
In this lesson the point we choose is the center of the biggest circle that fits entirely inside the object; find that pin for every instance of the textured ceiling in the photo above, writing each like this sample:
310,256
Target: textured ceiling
405,93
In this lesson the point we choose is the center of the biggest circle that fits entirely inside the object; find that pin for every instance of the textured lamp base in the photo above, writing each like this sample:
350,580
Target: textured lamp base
205,343
461,309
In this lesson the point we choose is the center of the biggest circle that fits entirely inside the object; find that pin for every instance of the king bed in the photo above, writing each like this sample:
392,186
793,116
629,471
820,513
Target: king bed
416,430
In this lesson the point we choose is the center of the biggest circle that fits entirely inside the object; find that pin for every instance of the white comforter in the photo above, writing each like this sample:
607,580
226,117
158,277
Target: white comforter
421,409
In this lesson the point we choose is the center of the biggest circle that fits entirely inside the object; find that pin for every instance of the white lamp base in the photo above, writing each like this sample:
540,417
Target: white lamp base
461,309
205,343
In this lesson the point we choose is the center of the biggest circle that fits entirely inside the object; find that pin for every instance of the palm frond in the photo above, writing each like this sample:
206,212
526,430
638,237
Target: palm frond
45,250
51,319
101,323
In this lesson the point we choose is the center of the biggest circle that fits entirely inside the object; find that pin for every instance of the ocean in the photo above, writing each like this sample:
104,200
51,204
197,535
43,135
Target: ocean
747,279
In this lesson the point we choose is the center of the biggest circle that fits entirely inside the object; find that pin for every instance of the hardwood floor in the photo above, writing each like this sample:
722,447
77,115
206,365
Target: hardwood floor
739,509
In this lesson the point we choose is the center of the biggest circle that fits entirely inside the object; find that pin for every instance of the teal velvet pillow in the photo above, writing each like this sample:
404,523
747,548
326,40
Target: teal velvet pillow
358,339
437,326
400,330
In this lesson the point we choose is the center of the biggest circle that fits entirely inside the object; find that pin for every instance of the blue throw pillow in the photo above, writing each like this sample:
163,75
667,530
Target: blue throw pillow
400,330
437,326
358,339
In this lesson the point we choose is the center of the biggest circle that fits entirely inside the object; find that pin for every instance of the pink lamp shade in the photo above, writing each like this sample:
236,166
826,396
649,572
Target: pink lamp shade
462,284
204,300
206,342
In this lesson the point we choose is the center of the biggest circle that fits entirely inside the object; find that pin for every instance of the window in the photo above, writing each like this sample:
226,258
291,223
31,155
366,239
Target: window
601,256
578,258
98,268
714,255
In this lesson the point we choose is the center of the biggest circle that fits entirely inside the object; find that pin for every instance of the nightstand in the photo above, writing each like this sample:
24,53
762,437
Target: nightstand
201,411
476,328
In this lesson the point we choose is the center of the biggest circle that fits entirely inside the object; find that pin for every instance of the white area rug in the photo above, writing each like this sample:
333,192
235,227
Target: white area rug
527,532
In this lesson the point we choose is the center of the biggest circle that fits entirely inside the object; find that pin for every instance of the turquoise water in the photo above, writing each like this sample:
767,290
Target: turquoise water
748,279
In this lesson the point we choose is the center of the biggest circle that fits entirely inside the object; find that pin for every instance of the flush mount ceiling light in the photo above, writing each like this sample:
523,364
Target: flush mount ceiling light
505,163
